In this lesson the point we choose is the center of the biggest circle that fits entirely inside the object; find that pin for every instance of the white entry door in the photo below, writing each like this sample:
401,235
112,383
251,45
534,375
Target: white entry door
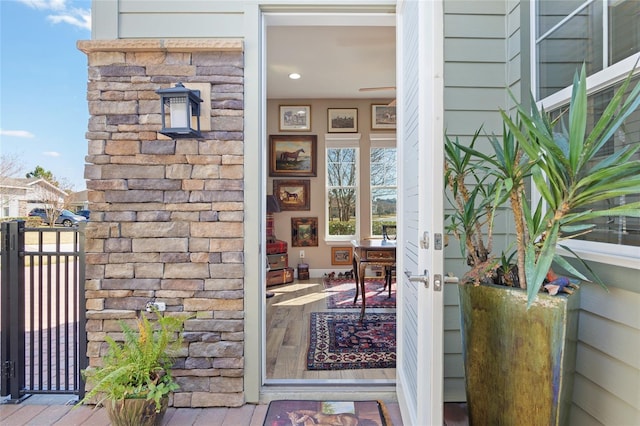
420,246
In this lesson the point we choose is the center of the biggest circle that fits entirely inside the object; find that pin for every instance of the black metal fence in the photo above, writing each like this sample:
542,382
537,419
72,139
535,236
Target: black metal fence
42,320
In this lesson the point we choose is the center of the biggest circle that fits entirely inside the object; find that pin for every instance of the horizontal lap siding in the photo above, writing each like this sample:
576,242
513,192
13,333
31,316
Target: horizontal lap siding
475,72
607,382
186,25
168,19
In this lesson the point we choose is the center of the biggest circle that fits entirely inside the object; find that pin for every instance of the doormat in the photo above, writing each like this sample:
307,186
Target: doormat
342,291
346,413
339,341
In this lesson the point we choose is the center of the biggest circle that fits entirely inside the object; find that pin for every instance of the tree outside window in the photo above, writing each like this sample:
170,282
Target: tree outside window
384,188
342,191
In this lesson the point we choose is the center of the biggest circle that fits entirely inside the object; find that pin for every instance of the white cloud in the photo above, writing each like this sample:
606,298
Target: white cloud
17,133
45,4
80,18
51,154
62,12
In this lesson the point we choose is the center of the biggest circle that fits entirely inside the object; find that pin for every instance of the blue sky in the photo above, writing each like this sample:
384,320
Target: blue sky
43,85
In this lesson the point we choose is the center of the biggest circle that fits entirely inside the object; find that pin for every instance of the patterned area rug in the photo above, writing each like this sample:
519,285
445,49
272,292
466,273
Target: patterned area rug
342,291
339,341
347,413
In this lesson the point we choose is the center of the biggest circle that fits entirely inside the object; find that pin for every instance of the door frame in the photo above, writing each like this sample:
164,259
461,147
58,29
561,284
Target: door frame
255,338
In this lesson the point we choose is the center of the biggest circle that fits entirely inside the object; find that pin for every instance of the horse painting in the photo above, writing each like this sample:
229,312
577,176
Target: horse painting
291,196
291,156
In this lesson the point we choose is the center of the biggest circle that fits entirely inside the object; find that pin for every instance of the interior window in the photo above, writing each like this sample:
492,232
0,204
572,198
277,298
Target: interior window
342,192
384,188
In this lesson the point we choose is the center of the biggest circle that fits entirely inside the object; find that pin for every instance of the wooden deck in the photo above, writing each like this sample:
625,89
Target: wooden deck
56,410
40,414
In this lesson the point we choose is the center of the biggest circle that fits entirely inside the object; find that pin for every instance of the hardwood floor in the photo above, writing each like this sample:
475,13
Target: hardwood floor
288,314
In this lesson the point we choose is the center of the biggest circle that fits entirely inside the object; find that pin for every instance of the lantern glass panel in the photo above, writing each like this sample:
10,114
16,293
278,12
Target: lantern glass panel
180,112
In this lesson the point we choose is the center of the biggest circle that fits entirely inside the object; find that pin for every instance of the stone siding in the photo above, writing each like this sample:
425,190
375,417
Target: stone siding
167,215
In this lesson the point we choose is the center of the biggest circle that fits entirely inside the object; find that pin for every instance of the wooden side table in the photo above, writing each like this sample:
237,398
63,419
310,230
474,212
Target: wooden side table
370,253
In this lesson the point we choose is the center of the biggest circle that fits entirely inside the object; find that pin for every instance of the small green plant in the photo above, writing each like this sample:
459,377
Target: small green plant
140,367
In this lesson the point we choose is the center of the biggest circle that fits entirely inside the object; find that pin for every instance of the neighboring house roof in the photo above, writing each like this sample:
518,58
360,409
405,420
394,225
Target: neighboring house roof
45,183
15,183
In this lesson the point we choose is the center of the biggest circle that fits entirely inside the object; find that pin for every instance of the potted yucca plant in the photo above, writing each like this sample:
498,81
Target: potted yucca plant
518,364
134,380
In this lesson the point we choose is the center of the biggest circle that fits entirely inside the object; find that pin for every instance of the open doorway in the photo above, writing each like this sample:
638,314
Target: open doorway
346,64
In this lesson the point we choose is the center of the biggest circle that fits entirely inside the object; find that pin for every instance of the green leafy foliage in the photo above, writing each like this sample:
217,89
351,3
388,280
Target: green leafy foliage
565,164
338,227
139,367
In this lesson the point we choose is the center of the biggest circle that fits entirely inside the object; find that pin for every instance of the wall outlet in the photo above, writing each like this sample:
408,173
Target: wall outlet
160,306
301,254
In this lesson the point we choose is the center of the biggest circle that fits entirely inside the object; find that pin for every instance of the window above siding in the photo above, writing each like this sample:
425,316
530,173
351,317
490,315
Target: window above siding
606,36
598,33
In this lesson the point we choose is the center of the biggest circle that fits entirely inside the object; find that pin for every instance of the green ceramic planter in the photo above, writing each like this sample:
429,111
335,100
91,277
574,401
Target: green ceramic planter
519,363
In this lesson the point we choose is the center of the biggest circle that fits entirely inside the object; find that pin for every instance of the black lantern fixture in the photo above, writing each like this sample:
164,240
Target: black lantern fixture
180,104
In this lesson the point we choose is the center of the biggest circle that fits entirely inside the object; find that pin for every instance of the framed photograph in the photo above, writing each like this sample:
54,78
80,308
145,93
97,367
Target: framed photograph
304,231
342,120
292,194
341,256
291,155
383,117
295,118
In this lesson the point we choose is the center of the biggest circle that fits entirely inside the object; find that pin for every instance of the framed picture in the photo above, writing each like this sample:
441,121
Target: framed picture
292,194
383,117
342,120
291,155
341,255
295,118
304,231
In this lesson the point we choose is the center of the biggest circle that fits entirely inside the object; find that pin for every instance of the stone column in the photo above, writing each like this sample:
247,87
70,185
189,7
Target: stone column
167,215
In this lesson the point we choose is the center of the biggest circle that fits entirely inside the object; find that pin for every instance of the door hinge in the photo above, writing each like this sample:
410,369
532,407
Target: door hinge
9,369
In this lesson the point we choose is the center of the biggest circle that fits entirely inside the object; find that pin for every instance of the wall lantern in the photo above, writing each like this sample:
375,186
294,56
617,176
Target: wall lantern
182,104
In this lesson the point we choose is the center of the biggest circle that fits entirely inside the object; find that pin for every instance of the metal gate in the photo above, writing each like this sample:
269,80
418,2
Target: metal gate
42,320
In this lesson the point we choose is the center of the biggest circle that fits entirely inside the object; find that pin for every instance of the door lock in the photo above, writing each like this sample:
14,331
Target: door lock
424,241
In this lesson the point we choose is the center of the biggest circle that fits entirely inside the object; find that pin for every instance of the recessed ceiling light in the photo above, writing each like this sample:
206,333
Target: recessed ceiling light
294,76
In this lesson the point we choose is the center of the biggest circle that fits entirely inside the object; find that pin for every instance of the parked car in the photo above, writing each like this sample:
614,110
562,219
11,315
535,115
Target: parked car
65,217
85,213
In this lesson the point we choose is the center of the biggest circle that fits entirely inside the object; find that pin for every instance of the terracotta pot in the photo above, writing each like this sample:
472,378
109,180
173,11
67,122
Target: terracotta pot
135,412
519,362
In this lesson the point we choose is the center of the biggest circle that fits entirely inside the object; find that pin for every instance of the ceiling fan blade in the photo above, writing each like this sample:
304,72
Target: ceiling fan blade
374,89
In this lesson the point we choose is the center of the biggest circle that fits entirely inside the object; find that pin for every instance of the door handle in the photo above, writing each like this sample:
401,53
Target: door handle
424,278
450,279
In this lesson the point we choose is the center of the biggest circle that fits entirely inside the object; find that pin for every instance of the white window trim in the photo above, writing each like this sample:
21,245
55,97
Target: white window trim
383,140
610,254
598,81
342,140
